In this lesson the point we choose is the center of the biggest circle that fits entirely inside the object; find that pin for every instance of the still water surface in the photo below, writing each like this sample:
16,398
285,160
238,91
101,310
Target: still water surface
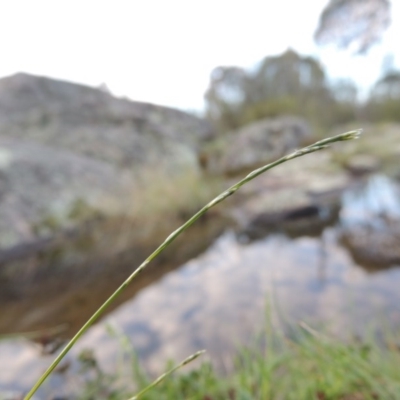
219,299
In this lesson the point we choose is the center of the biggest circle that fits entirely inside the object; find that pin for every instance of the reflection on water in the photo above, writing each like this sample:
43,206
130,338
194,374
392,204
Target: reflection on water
38,292
370,224
217,300
369,199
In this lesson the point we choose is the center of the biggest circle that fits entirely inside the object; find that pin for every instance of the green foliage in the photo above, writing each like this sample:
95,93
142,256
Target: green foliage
55,221
305,365
296,85
384,101
80,210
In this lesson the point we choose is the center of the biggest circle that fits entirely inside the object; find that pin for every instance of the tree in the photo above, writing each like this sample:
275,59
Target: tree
384,100
225,96
284,84
288,75
387,87
353,23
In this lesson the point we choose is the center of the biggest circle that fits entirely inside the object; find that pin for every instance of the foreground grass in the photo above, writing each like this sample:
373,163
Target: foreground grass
304,365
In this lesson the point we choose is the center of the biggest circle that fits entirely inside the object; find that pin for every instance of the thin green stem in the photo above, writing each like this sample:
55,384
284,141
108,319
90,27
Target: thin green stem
298,153
166,374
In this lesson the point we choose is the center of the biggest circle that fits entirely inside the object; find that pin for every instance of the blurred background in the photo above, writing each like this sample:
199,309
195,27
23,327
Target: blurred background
120,119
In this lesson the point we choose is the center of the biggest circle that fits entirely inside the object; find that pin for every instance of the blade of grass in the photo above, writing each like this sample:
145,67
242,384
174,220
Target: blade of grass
357,365
321,144
166,374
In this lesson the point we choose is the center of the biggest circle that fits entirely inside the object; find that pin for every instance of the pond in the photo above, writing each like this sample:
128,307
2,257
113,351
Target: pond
218,300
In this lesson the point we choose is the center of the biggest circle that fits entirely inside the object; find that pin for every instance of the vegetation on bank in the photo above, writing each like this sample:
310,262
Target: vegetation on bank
302,364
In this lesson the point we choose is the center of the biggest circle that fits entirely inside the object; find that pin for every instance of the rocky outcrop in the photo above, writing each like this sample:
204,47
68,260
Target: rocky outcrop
262,142
93,123
65,147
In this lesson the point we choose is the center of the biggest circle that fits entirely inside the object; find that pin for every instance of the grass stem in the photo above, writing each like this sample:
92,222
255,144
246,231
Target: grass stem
298,153
166,374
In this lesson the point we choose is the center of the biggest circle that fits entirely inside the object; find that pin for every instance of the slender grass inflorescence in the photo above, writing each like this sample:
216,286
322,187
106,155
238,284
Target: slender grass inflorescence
166,374
321,144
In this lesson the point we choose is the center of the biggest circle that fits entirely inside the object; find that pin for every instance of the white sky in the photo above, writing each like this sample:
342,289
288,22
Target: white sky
163,51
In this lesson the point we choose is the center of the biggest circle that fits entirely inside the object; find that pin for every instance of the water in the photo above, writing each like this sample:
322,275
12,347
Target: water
218,300
376,196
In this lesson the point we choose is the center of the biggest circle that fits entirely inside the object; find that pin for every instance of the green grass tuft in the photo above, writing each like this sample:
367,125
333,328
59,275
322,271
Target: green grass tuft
306,365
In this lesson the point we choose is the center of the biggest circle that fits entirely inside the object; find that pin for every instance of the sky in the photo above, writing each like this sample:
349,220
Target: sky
163,51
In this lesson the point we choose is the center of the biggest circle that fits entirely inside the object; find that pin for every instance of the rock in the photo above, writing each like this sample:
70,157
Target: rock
42,188
299,206
262,142
361,164
93,123
375,246
282,213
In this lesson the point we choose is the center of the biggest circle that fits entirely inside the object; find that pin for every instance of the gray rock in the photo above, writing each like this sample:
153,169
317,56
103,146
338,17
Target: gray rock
286,210
93,123
361,164
262,142
374,246
296,199
69,153
40,186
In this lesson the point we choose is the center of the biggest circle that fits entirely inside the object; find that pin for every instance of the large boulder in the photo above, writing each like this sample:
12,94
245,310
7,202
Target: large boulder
93,123
64,146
